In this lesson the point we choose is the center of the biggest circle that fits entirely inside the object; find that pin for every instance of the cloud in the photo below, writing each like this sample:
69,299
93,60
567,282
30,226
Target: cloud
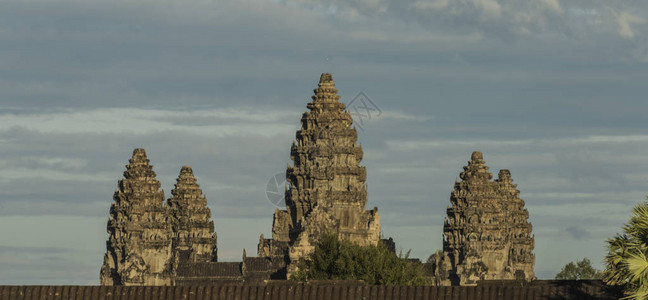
576,142
427,4
554,5
491,8
226,121
578,232
624,20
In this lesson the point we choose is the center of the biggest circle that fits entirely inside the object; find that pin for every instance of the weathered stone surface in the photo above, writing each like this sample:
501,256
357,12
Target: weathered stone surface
151,242
139,246
521,257
327,191
486,232
190,219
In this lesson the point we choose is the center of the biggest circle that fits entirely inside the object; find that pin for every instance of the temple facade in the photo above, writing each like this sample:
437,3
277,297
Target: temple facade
486,233
326,185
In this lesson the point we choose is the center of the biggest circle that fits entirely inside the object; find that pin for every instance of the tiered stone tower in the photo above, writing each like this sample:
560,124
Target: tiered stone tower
190,219
327,191
486,234
139,246
522,242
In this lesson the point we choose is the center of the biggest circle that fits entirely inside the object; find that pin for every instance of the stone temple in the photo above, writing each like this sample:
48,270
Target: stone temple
156,242
139,246
148,236
486,234
327,190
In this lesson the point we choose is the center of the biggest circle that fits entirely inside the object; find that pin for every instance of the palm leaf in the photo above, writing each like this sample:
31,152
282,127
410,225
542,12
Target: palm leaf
638,267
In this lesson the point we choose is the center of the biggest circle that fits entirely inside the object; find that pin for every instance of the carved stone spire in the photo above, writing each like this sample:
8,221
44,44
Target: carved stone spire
325,93
191,219
325,150
476,170
486,233
139,246
521,257
327,191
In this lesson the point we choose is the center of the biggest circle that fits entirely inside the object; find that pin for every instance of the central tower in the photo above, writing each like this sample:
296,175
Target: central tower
326,185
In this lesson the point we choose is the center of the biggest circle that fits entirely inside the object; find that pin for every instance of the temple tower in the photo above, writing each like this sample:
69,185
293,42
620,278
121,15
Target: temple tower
326,184
190,219
139,245
486,234
521,257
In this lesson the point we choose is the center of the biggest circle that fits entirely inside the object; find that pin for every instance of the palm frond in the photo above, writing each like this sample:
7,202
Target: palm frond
638,267
638,294
627,260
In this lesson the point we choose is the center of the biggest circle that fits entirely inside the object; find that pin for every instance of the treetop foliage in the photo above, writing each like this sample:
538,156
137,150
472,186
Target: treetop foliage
333,259
581,270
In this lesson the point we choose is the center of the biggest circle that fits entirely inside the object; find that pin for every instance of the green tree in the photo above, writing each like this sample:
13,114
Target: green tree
333,259
626,262
579,271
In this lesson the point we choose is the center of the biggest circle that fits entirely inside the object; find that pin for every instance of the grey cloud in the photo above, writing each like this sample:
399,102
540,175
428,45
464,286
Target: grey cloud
578,232
511,21
47,266
226,167
120,54
39,250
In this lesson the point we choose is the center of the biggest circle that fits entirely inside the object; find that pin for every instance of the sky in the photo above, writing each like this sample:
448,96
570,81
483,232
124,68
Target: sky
553,90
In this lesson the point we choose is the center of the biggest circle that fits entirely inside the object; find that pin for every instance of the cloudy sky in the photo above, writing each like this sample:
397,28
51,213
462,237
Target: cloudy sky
553,90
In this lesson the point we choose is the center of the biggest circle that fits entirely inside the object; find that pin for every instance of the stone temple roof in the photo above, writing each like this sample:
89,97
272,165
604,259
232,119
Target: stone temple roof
336,290
211,269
